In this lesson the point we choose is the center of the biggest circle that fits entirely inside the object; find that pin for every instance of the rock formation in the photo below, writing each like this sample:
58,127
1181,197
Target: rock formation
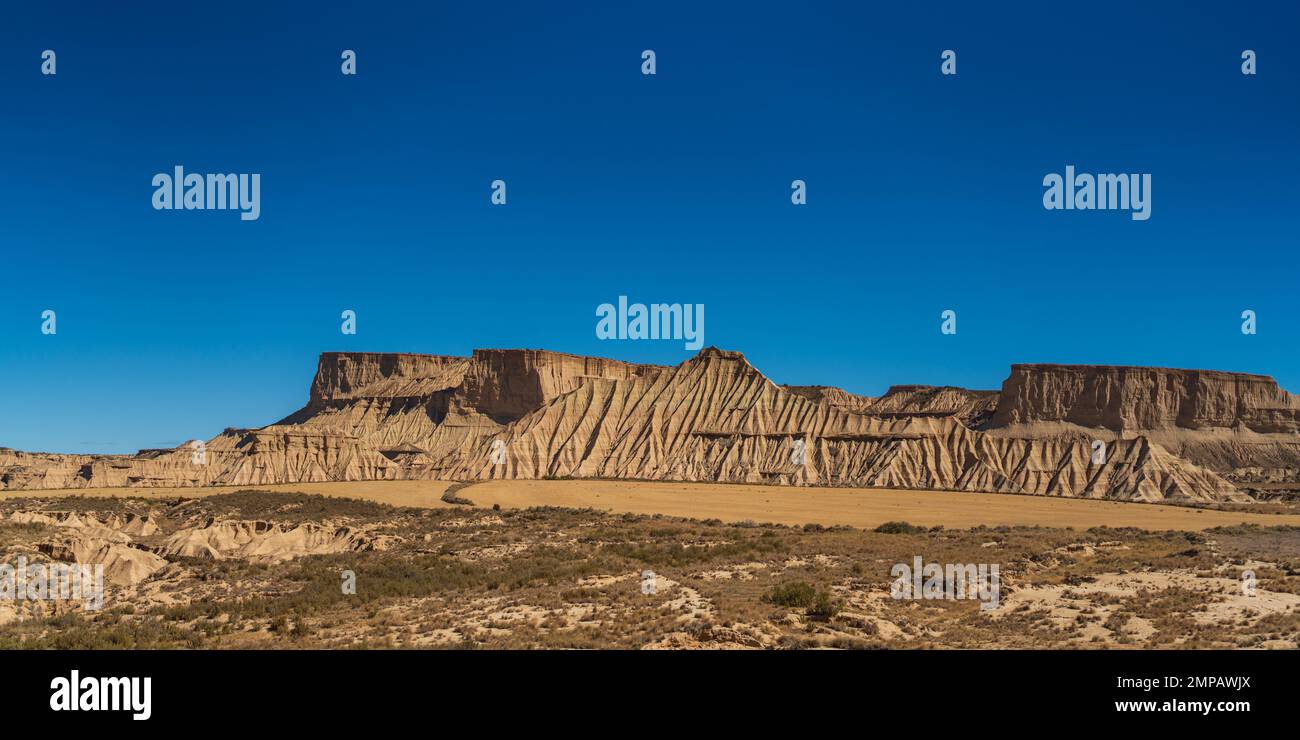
1163,434
123,565
260,541
1146,398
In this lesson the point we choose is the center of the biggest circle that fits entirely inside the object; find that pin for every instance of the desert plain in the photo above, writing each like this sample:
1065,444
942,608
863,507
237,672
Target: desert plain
564,564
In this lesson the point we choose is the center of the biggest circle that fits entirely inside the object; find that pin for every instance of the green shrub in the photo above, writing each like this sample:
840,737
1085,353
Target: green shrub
794,594
816,604
824,606
899,528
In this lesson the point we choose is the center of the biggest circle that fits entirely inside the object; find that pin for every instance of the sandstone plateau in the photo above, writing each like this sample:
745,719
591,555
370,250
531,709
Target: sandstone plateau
1176,435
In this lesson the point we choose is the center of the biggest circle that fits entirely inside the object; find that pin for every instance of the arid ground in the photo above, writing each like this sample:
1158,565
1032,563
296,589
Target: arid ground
854,507
527,564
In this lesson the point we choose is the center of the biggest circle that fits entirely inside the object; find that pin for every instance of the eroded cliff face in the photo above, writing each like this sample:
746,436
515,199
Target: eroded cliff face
1146,398
341,376
1241,426
507,384
971,407
1167,434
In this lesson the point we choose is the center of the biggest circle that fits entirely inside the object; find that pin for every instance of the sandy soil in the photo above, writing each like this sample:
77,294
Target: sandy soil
857,507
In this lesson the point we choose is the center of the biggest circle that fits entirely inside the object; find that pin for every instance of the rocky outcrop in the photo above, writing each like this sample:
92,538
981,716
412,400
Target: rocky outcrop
341,376
1165,434
972,408
112,528
1243,427
124,565
260,541
507,384
88,538
1146,398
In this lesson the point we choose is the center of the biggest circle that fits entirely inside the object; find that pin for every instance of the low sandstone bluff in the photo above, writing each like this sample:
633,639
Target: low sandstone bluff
1168,435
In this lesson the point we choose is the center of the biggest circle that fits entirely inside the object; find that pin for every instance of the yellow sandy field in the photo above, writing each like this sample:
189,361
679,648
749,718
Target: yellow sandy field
857,507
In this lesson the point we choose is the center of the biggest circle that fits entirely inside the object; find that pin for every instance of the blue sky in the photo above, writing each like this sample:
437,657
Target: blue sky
924,193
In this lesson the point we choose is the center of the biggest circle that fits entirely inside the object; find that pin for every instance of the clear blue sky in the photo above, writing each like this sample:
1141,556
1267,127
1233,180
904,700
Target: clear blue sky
924,193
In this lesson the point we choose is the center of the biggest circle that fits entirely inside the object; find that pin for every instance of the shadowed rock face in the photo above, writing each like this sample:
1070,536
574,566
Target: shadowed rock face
507,384
1168,434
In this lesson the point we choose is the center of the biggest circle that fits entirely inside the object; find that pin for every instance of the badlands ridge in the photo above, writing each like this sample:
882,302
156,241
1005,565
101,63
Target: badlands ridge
1168,435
